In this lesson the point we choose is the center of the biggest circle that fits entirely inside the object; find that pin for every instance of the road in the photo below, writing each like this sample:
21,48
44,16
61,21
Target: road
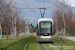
71,38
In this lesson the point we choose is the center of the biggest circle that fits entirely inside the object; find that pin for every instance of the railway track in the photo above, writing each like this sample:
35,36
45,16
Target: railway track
15,44
56,46
19,42
47,44
42,47
27,44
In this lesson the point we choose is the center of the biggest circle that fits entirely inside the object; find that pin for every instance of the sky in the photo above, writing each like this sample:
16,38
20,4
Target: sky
34,14
70,2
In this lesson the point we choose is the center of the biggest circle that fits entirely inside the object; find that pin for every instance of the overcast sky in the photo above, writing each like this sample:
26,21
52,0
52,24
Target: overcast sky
34,14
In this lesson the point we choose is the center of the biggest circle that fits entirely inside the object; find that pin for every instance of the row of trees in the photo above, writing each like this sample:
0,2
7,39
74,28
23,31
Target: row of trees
63,17
8,15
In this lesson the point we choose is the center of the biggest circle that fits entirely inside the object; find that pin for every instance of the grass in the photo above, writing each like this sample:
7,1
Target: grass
67,44
20,45
49,47
33,45
4,43
5,36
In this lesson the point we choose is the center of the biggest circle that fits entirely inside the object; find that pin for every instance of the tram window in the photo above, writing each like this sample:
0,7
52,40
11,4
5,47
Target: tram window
45,27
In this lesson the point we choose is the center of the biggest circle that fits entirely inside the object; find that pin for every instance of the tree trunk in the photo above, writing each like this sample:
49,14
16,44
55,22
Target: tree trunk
71,29
7,35
7,32
61,35
63,8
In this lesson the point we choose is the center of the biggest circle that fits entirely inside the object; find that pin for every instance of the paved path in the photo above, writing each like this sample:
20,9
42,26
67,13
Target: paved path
71,38
2,38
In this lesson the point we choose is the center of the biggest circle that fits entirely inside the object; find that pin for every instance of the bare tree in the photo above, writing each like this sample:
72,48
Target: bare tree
63,17
7,16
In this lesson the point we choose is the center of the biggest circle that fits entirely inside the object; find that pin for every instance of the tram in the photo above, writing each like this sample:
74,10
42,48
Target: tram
45,30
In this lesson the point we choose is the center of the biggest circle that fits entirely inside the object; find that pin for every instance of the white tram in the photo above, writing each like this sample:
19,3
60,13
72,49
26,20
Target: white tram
45,30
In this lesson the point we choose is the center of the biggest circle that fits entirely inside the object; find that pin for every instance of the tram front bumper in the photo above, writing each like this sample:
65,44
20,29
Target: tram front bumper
45,39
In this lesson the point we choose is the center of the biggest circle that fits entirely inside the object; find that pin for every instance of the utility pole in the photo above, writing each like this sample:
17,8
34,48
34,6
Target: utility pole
15,22
27,29
12,28
25,26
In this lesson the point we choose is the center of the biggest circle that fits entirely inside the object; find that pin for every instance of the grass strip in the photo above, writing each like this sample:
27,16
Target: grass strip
49,47
67,45
45,46
33,45
20,45
27,44
4,43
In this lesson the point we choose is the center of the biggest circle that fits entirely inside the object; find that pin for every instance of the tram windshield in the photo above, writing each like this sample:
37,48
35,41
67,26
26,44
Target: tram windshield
45,27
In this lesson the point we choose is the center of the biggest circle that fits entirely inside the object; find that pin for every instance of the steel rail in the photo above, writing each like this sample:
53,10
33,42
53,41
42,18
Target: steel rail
27,44
57,47
42,47
15,44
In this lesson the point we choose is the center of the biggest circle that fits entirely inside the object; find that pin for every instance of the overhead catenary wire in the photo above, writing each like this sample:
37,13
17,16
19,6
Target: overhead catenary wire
35,8
44,8
29,12
42,14
44,2
27,7
25,3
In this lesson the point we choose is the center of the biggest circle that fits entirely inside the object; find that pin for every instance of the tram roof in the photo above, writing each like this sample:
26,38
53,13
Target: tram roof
45,19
